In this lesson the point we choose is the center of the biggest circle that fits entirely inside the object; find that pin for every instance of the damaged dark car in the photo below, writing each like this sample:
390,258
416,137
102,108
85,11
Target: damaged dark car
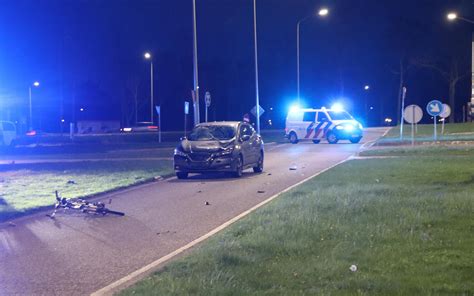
230,146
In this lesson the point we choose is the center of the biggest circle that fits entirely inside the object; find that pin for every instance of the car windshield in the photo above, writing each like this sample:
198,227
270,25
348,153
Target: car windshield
339,115
212,132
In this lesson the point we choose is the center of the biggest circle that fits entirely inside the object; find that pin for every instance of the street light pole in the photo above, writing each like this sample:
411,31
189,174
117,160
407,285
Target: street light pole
31,113
451,17
148,56
322,12
35,84
151,92
195,66
257,99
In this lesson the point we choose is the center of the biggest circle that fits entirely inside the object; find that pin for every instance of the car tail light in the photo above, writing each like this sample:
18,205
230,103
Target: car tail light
152,127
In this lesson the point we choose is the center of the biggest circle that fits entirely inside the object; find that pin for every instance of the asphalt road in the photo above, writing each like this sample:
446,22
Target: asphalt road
77,254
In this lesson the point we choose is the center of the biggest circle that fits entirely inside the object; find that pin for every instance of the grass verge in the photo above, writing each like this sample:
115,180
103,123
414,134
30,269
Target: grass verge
452,132
406,223
26,188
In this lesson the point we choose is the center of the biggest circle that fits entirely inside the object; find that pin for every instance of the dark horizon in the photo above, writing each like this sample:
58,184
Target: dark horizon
91,50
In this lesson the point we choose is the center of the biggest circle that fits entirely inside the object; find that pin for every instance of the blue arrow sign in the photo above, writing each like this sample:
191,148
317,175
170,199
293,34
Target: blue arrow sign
434,108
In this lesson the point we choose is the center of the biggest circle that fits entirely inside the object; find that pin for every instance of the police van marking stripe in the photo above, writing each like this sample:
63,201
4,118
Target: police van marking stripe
310,129
319,131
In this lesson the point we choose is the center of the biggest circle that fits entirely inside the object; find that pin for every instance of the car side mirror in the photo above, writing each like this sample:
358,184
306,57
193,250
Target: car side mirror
245,138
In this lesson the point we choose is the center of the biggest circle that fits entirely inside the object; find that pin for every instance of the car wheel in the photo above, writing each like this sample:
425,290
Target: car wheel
355,140
259,167
316,141
182,175
331,137
238,167
293,138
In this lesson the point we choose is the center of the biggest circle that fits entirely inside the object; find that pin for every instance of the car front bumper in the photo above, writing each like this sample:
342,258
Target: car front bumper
212,164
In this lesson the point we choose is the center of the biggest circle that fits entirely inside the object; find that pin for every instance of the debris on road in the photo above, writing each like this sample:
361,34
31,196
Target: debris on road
293,168
261,191
207,203
71,182
110,201
353,268
11,224
158,178
269,174
199,191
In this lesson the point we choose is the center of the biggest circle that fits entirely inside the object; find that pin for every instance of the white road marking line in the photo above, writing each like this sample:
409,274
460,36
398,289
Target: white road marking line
140,273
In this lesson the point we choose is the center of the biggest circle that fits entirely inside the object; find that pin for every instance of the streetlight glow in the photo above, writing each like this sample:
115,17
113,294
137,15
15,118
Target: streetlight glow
323,12
452,16
36,83
366,87
147,55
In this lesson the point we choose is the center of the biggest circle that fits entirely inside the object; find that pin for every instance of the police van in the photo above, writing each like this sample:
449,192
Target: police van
7,133
316,124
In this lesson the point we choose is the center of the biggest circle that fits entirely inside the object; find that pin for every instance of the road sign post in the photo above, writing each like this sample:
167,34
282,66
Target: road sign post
404,93
158,112
208,101
413,115
445,114
434,108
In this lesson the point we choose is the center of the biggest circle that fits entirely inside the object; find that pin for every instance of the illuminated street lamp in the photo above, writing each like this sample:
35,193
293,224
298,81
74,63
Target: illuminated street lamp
367,87
323,12
35,84
452,16
148,56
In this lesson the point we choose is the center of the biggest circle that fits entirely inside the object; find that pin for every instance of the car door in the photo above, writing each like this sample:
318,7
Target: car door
246,146
255,144
9,132
307,126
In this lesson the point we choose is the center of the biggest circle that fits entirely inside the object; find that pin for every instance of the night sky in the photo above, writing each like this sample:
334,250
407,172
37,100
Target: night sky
91,52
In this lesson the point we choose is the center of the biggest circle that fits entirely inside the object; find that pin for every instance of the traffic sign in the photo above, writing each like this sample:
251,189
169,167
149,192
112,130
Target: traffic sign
434,108
208,99
254,111
446,111
186,107
413,114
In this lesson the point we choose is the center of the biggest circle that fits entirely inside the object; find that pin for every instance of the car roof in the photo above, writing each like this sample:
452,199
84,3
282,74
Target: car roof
221,123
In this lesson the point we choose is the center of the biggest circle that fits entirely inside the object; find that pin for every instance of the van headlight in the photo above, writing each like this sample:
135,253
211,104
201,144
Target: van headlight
346,127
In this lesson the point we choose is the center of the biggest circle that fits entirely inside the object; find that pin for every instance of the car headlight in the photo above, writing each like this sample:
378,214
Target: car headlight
225,152
178,152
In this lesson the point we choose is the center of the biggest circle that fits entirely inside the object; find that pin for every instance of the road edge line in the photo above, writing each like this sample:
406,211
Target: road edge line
133,277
